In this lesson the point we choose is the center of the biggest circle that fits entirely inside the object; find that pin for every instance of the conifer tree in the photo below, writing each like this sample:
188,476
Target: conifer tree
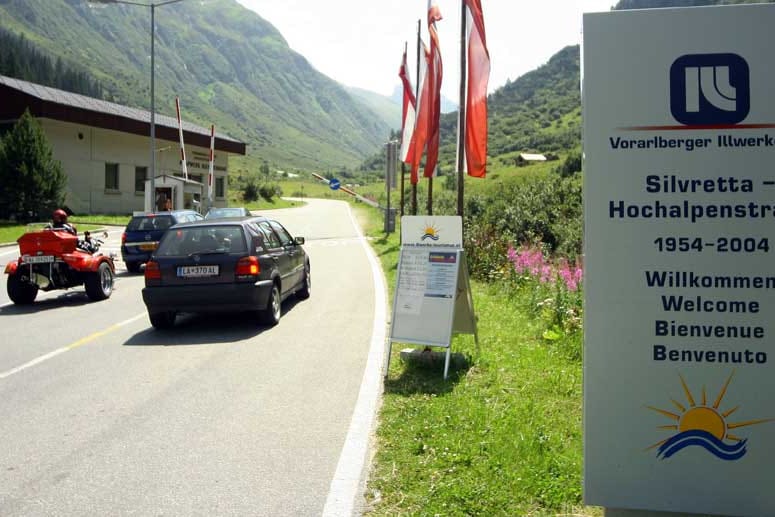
33,182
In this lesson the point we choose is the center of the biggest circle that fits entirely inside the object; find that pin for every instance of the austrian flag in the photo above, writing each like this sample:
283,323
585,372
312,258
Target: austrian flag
478,60
407,114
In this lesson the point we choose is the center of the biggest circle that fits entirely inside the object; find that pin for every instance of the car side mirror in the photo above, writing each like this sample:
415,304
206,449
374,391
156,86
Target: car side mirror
299,240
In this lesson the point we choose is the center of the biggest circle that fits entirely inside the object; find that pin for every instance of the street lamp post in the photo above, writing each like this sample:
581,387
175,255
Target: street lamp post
153,7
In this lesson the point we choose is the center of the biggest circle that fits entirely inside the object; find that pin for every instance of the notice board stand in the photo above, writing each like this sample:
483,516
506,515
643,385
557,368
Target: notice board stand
432,300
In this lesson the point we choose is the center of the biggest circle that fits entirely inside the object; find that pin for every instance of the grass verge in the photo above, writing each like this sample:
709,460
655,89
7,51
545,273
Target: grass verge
10,232
501,436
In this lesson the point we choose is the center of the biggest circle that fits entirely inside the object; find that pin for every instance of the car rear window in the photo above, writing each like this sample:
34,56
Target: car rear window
224,212
143,223
202,239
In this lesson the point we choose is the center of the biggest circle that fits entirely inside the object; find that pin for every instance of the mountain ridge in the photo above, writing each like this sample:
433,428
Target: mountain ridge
228,65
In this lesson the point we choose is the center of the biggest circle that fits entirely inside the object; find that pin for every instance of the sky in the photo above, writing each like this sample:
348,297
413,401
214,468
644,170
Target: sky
360,42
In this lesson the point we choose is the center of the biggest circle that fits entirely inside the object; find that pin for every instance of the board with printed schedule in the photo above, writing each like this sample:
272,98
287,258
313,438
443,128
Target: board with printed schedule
433,294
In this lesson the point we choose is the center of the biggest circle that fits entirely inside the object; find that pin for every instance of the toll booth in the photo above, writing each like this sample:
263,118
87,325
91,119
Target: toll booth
173,193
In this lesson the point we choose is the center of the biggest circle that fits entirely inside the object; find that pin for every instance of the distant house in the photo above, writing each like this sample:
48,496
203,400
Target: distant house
523,159
104,148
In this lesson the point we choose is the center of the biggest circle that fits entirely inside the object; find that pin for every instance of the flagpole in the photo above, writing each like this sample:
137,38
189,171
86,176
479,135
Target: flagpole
430,195
403,168
403,172
416,96
461,122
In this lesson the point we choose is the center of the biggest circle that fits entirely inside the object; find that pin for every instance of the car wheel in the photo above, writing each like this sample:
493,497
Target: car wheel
306,284
162,320
133,267
271,314
21,293
99,285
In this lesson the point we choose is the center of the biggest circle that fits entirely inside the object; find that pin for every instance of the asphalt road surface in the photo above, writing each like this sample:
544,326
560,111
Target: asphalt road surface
100,414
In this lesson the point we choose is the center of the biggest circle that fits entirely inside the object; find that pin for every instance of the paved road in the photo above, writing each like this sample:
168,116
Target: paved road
102,415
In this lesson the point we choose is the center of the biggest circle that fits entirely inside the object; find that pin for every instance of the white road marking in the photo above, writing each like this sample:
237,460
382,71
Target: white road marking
352,460
80,342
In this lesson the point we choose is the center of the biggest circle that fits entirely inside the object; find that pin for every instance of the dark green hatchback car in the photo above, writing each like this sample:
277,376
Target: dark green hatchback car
225,265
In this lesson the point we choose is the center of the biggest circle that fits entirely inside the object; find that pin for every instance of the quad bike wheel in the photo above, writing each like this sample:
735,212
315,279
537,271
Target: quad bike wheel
21,293
99,285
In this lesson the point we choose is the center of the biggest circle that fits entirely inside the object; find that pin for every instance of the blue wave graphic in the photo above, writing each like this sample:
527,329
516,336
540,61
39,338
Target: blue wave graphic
705,440
430,236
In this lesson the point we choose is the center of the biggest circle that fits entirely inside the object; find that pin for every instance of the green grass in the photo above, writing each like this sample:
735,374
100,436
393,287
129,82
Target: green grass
501,436
10,232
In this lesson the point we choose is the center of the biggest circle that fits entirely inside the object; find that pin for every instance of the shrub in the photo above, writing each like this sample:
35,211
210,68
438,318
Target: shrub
268,191
250,192
553,288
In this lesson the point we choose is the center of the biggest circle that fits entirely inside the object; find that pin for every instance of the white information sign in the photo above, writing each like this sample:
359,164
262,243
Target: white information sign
433,296
679,194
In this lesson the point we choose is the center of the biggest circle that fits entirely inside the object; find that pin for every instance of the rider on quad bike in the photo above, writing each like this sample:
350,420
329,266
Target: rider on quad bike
55,258
59,222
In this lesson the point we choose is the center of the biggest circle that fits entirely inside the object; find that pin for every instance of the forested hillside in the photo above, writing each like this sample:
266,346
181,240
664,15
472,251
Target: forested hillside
541,110
229,67
20,59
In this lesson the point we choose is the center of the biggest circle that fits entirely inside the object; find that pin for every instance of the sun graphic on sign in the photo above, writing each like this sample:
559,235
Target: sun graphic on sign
703,425
431,232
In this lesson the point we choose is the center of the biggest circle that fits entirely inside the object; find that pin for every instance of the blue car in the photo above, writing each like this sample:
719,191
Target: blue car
143,233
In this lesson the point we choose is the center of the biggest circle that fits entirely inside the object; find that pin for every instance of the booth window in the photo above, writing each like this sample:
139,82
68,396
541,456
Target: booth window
220,187
111,176
141,174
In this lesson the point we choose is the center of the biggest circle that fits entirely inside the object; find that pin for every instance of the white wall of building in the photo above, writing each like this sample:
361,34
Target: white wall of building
84,151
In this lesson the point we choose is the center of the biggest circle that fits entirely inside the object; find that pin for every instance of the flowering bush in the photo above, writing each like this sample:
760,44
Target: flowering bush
485,251
554,288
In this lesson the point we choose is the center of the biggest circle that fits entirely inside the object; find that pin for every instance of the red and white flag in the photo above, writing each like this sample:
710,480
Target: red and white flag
423,113
407,114
183,166
478,61
434,77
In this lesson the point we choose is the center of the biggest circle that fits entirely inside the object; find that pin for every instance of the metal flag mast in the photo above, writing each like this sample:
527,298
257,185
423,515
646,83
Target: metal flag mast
417,113
461,121
210,168
403,165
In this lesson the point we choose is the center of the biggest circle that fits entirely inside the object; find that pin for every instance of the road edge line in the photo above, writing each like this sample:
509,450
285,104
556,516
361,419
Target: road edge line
353,458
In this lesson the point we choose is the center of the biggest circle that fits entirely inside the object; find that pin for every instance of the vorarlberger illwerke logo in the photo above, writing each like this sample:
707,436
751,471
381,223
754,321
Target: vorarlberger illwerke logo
710,89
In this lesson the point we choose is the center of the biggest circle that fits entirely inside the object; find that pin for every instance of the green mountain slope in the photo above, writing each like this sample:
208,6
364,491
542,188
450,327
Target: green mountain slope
228,66
541,110
388,110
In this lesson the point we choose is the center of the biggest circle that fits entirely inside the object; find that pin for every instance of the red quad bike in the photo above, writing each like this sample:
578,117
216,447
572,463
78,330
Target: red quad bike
53,259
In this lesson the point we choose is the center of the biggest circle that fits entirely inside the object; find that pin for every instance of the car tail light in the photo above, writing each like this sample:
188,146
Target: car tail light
248,266
123,238
152,271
